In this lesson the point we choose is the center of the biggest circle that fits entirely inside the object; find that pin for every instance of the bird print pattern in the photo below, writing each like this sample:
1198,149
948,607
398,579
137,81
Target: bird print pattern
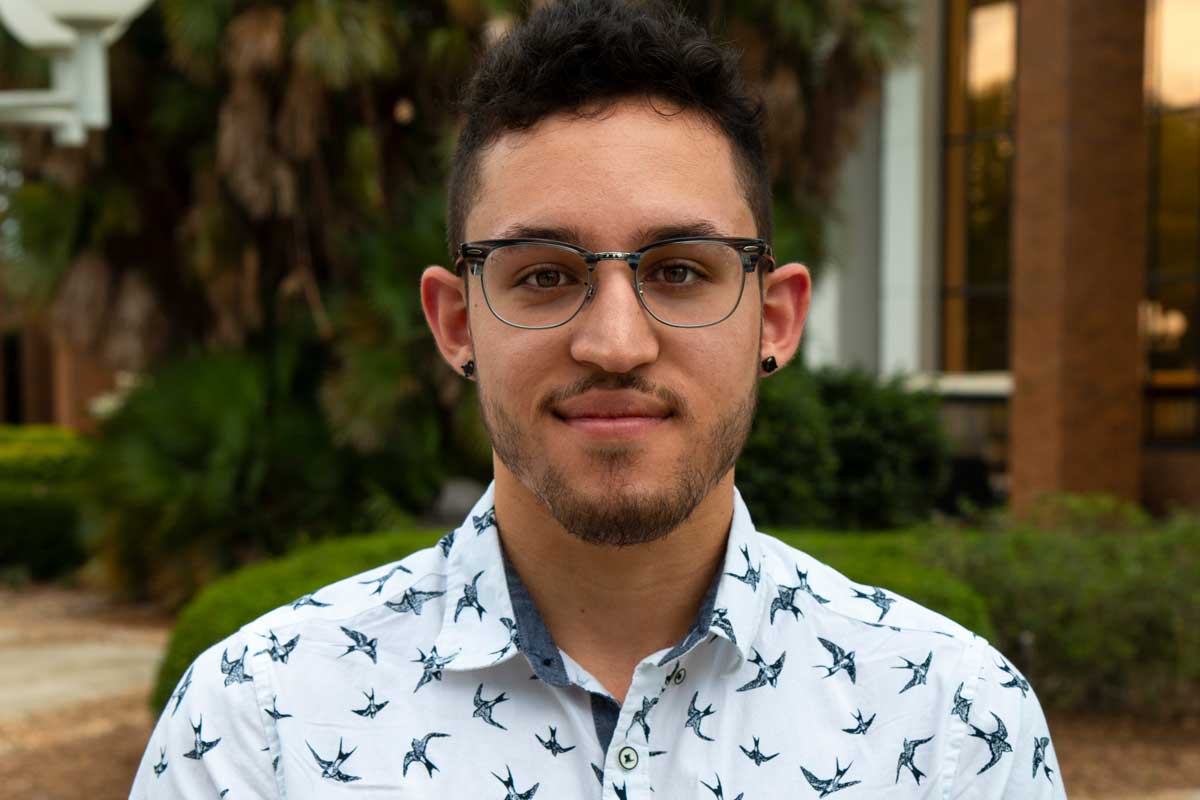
430,678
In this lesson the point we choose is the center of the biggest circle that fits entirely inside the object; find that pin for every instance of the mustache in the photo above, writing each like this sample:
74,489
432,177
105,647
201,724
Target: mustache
668,397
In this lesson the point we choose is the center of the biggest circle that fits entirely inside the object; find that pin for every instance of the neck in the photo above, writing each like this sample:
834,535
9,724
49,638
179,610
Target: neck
610,607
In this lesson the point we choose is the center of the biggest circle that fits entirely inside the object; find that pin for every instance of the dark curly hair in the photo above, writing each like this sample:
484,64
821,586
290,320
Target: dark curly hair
578,53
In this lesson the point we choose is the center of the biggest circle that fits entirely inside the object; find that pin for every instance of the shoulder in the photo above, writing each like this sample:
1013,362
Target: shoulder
836,594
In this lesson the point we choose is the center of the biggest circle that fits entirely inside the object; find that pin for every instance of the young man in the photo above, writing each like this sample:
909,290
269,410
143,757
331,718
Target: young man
607,623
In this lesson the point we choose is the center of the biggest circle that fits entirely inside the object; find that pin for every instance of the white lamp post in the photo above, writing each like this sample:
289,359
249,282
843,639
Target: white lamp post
74,35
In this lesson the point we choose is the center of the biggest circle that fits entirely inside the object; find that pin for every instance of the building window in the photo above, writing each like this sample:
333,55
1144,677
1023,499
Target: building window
978,168
1170,313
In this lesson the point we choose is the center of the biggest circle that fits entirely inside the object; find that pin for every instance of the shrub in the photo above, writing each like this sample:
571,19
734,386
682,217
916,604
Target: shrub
212,462
838,448
1100,620
40,467
786,471
891,450
40,535
232,601
42,454
227,604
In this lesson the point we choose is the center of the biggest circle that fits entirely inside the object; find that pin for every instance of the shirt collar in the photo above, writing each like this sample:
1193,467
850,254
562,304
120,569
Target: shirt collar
732,609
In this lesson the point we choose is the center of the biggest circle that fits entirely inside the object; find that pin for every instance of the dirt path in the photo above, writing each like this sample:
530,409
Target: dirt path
75,671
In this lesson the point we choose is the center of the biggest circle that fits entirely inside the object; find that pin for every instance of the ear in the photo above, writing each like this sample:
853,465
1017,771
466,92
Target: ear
443,298
786,294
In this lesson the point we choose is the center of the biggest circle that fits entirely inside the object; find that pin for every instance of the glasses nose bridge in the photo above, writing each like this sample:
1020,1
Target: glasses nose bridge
631,260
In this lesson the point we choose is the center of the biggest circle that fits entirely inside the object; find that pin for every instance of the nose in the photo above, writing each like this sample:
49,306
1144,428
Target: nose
613,332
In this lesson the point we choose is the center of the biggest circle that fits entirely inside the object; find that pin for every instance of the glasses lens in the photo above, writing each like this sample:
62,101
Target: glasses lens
691,283
534,285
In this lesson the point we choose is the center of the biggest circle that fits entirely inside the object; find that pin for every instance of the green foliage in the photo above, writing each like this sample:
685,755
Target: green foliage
892,453
38,251
787,469
837,447
212,462
42,454
1099,619
227,604
41,534
40,466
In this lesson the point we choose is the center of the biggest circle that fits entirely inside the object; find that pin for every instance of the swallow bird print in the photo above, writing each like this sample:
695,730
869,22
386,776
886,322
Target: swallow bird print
484,708
279,652
235,671
383,579
484,522
756,755
863,725
962,706
552,744
332,769
828,786
906,759
418,753
181,690
997,742
919,671
639,717
719,791
413,600
879,598
696,717
751,576
200,746
361,644
308,600
470,598
372,708
1039,756
432,665
511,786
767,673
842,660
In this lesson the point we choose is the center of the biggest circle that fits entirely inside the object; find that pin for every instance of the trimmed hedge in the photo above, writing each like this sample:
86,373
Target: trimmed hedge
1099,619
40,469
230,602
42,454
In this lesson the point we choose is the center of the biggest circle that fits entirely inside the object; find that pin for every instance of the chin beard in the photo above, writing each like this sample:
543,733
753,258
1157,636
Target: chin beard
626,515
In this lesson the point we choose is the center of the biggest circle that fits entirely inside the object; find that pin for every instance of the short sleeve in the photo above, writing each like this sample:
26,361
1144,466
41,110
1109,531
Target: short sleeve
210,738
1006,752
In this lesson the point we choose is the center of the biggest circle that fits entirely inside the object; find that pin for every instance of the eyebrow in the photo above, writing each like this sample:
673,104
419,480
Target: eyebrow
644,236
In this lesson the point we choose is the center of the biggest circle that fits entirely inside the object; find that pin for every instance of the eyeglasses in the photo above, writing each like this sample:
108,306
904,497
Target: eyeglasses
690,282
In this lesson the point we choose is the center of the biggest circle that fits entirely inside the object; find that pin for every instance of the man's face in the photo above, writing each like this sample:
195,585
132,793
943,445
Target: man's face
683,398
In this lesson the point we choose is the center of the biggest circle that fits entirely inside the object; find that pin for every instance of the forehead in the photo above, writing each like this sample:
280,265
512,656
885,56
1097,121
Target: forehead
609,176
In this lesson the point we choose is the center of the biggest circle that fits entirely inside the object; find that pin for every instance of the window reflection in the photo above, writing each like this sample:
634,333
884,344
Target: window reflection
978,161
1170,314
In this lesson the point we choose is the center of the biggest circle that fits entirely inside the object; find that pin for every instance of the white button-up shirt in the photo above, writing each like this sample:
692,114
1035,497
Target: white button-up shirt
435,677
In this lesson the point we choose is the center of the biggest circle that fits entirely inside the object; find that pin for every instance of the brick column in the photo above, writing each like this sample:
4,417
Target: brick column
1079,244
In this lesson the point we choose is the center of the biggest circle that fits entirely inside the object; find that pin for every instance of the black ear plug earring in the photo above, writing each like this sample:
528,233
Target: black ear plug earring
769,364
468,368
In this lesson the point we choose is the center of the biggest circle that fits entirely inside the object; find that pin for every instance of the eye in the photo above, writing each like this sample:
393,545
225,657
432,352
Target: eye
679,273
546,279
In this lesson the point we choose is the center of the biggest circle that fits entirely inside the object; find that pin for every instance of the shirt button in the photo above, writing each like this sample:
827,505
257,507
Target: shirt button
680,675
627,758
